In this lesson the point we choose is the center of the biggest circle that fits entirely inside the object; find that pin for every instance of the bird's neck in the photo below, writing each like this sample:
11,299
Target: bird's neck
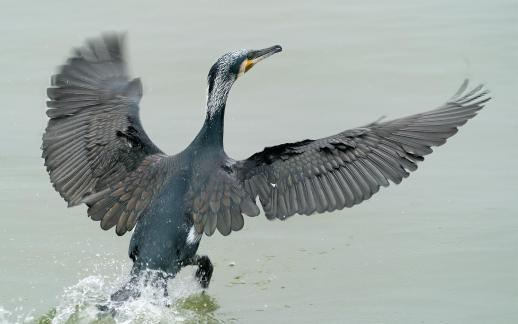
211,134
212,131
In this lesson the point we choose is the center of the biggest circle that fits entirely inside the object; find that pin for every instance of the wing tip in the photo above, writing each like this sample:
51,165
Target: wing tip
134,90
465,96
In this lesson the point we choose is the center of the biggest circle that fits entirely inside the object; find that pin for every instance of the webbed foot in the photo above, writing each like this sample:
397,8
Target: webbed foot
204,272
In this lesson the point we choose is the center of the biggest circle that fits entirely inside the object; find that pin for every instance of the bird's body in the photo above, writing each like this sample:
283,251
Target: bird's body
97,153
157,247
173,244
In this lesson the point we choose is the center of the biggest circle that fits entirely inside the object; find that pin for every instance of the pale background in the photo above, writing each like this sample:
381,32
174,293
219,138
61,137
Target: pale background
440,248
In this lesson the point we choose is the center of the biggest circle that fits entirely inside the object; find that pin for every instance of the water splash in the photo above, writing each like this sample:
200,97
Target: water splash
187,303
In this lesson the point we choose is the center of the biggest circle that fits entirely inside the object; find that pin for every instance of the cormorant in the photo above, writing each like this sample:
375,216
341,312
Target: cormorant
97,153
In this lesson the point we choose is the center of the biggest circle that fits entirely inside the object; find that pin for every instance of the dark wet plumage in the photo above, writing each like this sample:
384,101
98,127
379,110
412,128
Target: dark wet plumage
97,153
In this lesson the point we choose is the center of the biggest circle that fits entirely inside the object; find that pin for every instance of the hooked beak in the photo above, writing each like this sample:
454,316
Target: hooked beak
256,56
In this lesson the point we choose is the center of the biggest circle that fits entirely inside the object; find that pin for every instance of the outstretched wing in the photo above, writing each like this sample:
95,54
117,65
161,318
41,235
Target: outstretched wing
345,169
94,146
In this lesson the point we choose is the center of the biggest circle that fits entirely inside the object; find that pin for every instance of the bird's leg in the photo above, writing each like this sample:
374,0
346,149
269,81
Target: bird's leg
129,290
205,268
204,272
158,281
132,289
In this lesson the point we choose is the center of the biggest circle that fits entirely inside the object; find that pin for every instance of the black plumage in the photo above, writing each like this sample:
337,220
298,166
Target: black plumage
97,153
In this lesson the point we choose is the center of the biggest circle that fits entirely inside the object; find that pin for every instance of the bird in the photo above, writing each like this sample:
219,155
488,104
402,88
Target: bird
97,153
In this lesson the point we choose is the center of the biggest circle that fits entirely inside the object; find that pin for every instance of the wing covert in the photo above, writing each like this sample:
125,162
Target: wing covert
219,201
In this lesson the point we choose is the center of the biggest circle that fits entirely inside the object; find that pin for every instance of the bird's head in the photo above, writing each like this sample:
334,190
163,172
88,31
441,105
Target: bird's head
229,67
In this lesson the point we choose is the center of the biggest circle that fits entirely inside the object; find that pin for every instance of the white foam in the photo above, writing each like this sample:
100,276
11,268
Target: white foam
78,303
81,301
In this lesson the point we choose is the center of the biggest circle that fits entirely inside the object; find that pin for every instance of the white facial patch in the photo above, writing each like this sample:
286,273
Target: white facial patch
222,83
